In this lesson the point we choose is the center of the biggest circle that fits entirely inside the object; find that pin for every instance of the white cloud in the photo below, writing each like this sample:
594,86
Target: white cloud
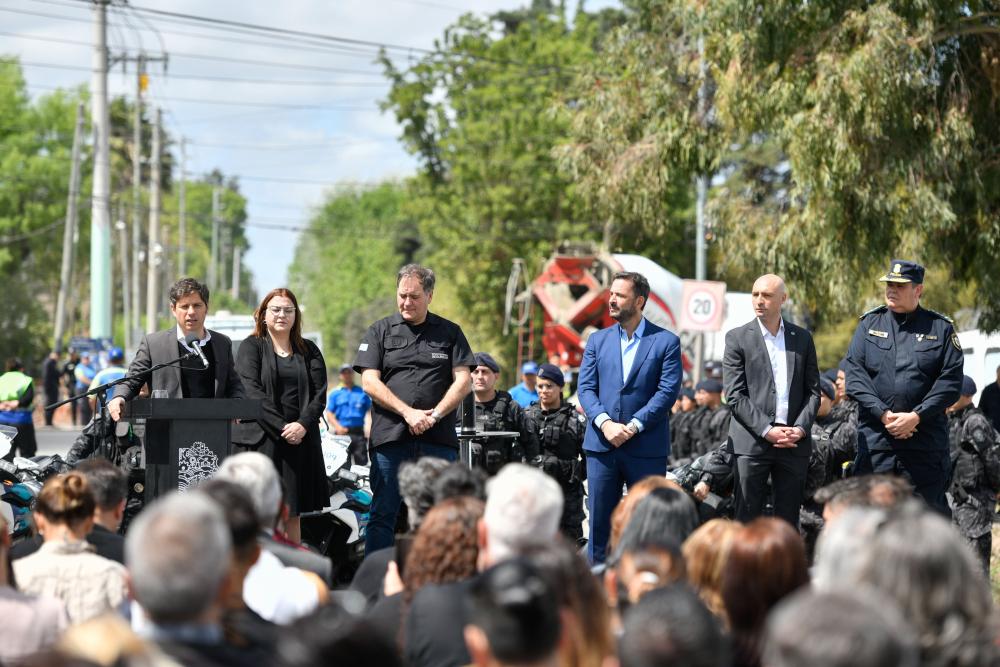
360,136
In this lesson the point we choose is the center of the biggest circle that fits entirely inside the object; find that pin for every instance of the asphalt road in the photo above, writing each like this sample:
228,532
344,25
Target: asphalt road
55,439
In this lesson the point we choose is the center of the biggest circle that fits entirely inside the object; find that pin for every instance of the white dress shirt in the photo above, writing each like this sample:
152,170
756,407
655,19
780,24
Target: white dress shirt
775,346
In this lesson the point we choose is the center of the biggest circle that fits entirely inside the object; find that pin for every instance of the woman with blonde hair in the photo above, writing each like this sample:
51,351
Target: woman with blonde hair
705,552
65,567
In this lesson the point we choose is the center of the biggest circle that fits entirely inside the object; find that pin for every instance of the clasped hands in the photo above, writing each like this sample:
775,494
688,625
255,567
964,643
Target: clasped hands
293,433
900,425
419,421
784,437
617,434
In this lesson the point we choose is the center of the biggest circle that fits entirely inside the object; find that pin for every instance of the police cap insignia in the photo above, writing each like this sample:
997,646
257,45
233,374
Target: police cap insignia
904,271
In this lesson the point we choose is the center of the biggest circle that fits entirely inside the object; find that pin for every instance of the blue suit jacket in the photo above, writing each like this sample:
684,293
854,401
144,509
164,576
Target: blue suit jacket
647,394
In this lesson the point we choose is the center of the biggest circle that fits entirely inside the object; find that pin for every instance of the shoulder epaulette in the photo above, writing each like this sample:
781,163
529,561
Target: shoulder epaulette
943,317
876,309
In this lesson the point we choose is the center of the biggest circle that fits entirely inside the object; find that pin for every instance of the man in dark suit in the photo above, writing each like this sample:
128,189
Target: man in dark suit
190,379
629,380
772,387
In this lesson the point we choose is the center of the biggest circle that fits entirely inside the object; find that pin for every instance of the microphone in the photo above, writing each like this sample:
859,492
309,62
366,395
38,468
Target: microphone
192,341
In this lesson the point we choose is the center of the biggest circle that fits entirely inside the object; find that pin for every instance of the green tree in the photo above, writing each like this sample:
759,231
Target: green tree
35,145
344,273
483,114
841,134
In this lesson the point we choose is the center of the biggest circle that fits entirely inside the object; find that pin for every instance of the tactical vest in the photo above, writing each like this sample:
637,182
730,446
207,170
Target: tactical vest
560,433
494,453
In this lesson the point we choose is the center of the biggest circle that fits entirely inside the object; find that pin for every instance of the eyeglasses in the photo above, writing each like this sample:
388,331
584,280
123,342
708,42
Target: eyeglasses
278,310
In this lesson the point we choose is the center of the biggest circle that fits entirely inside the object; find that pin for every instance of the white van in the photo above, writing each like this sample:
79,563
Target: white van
982,356
238,327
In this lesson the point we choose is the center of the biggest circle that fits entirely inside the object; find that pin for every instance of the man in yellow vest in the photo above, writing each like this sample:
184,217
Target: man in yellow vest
17,391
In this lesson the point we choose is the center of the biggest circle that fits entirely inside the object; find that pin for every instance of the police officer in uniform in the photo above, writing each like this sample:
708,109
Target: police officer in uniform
681,446
975,454
711,425
560,428
904,368
498,411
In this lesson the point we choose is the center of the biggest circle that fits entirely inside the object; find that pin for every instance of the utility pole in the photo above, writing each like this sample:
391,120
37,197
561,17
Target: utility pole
100,208
213,263
182,215
124,252
132,326
701,185
235,290
70,235
153,247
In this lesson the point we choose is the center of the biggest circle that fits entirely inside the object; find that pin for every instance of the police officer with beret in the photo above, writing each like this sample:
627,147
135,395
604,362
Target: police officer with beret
711,423
498,411
904,368
975,454
415,365
560,428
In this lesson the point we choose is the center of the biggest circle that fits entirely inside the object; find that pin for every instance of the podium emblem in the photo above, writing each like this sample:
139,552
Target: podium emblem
195,464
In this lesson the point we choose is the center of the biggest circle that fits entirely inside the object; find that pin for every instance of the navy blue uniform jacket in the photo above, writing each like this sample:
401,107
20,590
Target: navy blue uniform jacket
912,366
647,395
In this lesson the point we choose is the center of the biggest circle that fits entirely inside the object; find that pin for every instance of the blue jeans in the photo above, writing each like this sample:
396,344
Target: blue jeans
386,460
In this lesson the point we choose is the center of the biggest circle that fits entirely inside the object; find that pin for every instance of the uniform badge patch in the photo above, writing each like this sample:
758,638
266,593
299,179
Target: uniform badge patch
880,334
955,342
363,347
438,355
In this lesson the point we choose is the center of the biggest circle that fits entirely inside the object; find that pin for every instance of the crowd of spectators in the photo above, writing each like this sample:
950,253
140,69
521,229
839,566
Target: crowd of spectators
483,577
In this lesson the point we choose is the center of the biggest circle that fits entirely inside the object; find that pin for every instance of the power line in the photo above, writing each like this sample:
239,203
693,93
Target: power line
205,56
198,77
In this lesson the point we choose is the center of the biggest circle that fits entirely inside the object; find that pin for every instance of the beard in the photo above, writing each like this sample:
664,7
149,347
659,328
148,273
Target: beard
624,313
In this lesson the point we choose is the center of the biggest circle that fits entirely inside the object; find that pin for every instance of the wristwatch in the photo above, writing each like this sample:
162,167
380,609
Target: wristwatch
436,416
632,427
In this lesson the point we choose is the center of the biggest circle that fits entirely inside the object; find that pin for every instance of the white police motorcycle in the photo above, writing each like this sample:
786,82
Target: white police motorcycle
338,530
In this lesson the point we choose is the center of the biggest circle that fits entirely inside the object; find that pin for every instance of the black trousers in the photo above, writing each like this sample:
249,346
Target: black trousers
788,481
928,471
51,396
359,445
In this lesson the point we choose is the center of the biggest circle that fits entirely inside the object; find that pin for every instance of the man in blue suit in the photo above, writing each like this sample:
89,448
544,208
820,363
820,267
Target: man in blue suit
629,379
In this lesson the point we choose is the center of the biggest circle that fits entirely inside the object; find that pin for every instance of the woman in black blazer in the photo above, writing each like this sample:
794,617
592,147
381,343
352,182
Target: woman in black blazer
289,374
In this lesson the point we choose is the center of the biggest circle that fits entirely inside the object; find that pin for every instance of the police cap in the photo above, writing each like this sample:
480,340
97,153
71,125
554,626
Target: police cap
485,359
688,391
116,355
551,372
346,367
529,368
904,271
830,374
711,386
827,388
968,386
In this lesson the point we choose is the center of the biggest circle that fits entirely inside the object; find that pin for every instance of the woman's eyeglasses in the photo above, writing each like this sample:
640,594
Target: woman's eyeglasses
277,310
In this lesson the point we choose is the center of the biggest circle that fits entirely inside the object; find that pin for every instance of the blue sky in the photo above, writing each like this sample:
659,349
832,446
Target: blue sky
287,142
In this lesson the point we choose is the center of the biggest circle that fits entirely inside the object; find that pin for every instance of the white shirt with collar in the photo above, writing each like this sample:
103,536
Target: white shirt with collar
775,345
182,339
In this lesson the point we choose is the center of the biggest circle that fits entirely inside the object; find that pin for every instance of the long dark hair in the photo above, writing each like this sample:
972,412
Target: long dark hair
260,325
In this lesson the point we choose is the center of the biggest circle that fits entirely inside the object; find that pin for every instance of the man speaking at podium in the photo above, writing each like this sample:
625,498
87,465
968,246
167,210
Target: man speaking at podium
210,374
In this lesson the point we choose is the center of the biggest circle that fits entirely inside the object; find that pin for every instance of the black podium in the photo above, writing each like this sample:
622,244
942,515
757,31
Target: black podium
185,438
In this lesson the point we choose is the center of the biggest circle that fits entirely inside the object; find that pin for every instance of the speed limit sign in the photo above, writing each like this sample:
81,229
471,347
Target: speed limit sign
704,305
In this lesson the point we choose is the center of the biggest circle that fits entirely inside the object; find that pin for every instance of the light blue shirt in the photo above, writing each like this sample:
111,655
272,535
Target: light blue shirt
629,346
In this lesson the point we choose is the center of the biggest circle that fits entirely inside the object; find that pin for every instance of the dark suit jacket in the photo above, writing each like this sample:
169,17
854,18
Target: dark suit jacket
647,394
260,379
157,348
750,391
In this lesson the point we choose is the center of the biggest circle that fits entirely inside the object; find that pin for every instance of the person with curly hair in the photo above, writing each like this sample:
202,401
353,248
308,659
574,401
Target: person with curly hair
445,550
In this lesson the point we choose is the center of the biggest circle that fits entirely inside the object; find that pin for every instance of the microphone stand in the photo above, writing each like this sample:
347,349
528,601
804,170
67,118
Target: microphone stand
101,392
